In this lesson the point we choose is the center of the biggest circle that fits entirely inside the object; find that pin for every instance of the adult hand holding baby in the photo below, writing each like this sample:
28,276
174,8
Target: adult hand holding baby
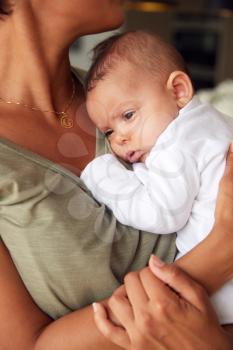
161,307
165,309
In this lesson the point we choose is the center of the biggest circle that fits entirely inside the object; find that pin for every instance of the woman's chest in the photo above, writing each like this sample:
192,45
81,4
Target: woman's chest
72,148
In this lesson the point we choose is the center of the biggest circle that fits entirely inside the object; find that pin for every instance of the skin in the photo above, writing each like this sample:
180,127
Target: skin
34,68
136,110
34,22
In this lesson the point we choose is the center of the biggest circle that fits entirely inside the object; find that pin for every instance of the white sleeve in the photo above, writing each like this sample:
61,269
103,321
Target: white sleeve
222,301
156,197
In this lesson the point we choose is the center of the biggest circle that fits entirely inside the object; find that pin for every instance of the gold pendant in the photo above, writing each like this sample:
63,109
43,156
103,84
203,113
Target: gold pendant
66,122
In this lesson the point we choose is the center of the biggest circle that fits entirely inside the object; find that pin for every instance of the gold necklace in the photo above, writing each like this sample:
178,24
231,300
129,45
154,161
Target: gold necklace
66,121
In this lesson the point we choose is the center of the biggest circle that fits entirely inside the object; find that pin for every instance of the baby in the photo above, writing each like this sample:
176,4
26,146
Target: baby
141,98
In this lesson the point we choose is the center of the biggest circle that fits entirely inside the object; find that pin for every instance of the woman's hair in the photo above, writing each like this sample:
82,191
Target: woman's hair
144,49
5,8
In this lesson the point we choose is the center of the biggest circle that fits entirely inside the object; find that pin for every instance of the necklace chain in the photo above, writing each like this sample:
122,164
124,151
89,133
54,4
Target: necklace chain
66,121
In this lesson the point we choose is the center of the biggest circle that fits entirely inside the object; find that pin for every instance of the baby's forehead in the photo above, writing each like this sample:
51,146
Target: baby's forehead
122,73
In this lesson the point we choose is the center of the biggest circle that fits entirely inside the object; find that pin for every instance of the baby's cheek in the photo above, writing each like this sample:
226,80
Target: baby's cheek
143,158
114,147
116,150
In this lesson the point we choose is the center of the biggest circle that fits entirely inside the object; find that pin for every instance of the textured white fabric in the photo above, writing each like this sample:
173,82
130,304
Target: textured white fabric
176,188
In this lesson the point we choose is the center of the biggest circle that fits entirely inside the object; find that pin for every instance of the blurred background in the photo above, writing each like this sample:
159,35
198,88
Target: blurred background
202,30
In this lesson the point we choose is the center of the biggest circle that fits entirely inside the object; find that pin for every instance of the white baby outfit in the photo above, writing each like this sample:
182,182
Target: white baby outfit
176,189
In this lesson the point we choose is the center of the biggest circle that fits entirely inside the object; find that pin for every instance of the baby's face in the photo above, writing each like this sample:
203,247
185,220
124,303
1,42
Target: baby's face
132,110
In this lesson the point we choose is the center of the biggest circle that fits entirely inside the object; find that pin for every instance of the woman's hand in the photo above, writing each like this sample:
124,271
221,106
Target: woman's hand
165,309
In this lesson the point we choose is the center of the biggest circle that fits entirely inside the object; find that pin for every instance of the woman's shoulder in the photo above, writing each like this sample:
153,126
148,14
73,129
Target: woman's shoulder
25,175
13,156
20,177
10,158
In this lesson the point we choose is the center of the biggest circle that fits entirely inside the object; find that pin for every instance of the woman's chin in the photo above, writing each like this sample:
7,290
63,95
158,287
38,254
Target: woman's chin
111,25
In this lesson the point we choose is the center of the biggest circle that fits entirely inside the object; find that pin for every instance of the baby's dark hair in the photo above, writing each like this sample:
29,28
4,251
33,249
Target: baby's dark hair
145,50
5,8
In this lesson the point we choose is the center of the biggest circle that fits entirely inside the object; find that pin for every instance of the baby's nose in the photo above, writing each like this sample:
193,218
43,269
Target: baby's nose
121,139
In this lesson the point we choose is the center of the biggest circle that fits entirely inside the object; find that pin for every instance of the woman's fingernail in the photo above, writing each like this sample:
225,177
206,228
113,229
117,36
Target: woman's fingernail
156,261
95,307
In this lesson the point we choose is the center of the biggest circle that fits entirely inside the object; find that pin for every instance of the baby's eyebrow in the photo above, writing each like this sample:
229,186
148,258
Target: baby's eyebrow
111,119
115,114
122,107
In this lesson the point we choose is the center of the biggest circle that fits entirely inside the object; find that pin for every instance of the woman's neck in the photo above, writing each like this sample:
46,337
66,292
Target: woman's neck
34,62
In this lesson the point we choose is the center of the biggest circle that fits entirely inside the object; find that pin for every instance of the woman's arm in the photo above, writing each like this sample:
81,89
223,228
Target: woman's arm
75,331
21,321
23,326
211,262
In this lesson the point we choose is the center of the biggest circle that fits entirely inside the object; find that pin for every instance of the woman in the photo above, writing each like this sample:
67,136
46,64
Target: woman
68,250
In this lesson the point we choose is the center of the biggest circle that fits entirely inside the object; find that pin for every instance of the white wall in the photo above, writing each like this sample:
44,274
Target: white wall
82,57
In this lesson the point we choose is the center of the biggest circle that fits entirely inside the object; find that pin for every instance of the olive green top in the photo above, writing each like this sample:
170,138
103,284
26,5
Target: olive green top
68,248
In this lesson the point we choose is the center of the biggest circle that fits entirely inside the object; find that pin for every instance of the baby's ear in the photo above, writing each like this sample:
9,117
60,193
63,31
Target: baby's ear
181,87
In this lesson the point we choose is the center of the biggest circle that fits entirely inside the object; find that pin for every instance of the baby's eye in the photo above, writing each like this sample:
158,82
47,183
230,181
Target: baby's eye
108,132
129,114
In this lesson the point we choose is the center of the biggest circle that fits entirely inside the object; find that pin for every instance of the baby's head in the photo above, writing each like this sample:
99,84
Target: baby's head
135,87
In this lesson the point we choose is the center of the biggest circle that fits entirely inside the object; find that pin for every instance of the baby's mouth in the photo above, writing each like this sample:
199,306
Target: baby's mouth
134,156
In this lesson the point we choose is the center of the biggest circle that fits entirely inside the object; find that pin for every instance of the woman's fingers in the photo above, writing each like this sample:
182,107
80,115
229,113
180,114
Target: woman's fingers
155,288
121,308
114,333
134,288
121,291
229,165
179,281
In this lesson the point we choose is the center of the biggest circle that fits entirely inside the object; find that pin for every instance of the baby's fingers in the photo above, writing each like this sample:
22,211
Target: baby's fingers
115,334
